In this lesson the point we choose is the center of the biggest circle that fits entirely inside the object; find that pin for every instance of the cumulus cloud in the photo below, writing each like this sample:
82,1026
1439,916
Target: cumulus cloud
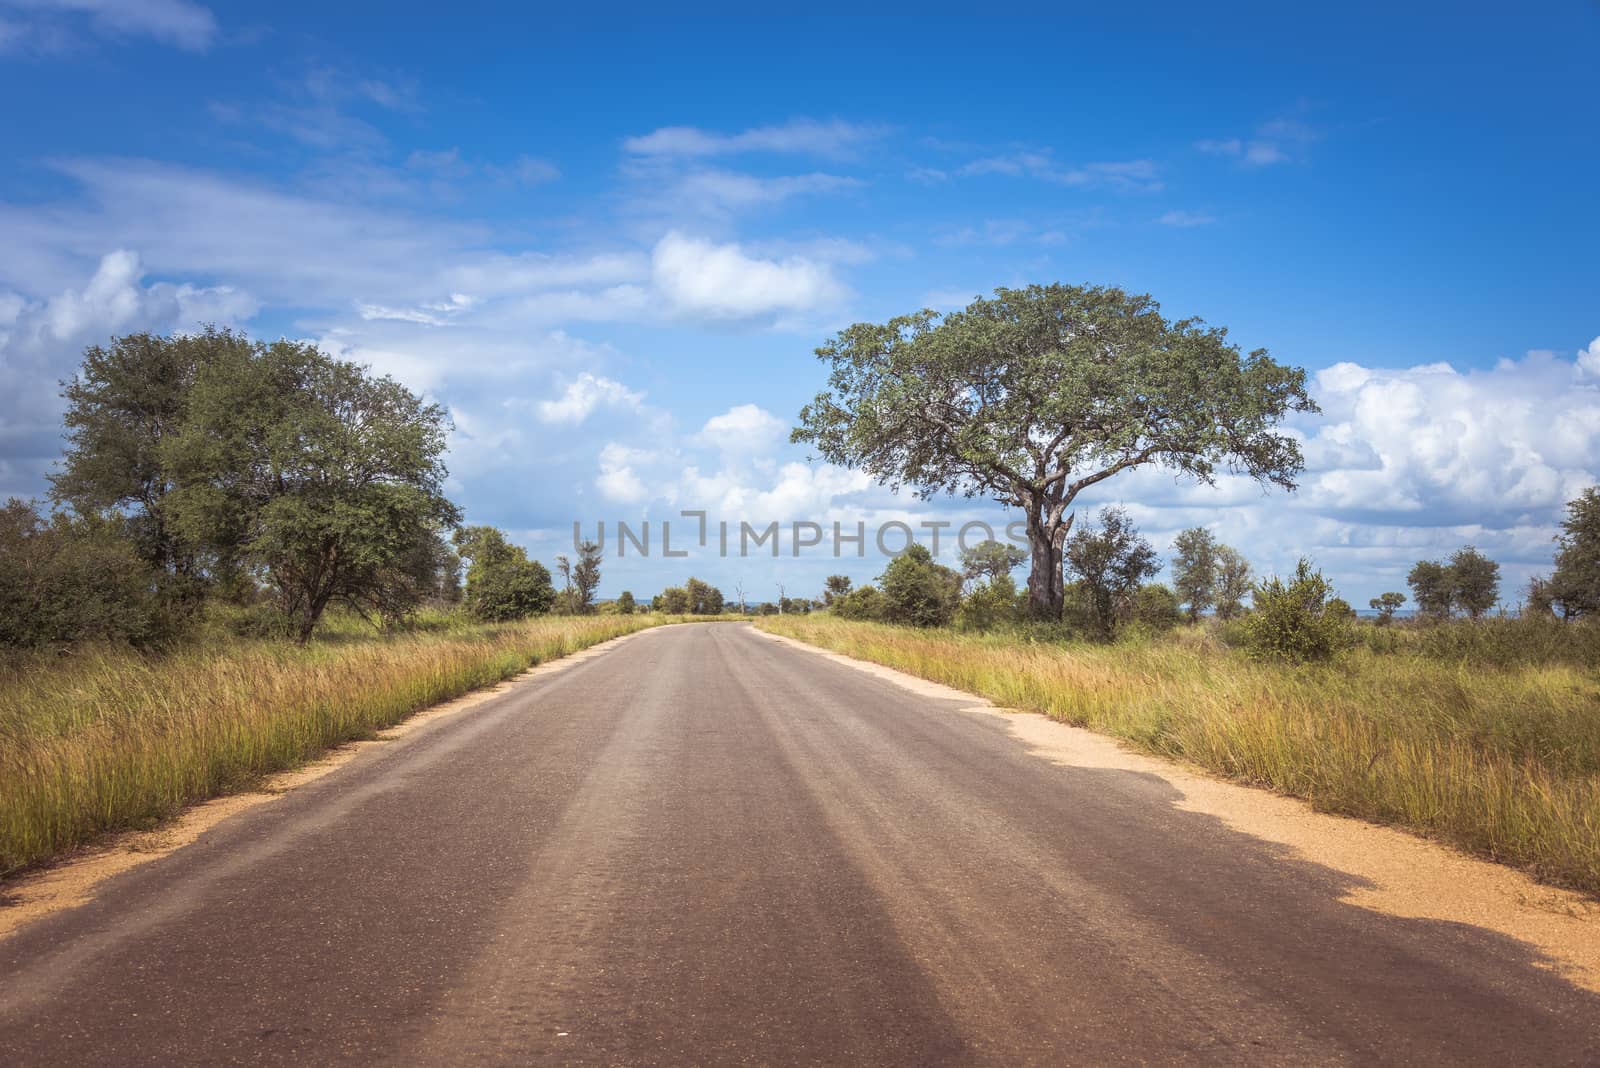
42,340
798,136
744,428
584,395
704,279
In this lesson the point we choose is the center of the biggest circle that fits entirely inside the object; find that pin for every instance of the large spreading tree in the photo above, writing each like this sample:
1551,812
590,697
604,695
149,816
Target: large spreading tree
325,480
1036,395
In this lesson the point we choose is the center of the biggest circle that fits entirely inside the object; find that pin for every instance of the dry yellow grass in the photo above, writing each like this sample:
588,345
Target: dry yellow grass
110,739
1504,762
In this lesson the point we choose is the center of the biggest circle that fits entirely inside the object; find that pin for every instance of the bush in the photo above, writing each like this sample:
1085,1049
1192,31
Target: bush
1299,620
1157,607
70,579
1512,642
865,603
992,604
919,592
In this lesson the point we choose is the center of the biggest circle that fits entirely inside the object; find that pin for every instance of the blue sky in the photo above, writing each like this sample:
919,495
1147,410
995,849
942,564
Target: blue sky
609,241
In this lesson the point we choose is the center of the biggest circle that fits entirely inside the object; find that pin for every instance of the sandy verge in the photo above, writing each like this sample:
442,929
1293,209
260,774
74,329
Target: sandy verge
71,881
1406,876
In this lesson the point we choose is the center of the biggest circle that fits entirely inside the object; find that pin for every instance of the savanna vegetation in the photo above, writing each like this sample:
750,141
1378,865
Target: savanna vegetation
247,556
1478,727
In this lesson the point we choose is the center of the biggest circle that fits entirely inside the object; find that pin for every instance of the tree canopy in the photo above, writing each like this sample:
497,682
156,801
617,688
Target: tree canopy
309,470
1034,396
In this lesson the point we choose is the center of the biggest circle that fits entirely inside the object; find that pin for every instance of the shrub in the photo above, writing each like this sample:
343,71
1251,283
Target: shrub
1298,620
919,592
1157,607
69,579
865,603
992,604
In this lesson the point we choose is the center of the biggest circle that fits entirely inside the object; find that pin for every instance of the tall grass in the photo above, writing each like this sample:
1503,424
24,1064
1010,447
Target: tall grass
1503,761
108,739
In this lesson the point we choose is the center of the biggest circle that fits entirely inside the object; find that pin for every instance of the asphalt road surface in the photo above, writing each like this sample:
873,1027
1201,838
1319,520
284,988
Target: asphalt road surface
704,847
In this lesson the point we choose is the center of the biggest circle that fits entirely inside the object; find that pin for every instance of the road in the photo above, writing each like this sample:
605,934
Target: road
705,847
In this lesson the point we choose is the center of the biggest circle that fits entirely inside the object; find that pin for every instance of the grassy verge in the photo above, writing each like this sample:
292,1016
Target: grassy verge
1502,761
111,739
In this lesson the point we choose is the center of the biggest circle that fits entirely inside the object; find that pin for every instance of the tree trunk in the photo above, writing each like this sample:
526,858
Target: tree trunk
1045,583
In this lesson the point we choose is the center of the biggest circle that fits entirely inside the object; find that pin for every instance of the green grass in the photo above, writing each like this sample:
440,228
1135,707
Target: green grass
109,739
1503,761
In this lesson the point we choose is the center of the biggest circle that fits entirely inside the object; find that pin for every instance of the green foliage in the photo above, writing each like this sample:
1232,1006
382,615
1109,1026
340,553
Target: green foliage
1574,587
1110,561
674,601
835,587
579,580
989,560
1474,582
625,603
864,603
1194,569
66,579
124,406
1431,588
502,583
991,604
1386,604
1512,642
309,470
919,592
1157,607
1233,583
1040,393
702,598
1298,620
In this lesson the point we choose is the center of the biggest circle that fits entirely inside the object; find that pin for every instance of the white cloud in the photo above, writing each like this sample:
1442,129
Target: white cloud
583,395
798,136
49,23
745,429
719,281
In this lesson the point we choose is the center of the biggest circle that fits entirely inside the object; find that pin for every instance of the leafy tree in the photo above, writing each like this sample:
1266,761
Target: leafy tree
586,577
990,559
1040,393
1156,606
703,599
71,579
625,603
1298,620
918,591
1386,604
1233,582
502,583
1575,584
835,587
126,402
1194,569
1431,588
1110,560
674,601
798,606
307,469
1474,582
